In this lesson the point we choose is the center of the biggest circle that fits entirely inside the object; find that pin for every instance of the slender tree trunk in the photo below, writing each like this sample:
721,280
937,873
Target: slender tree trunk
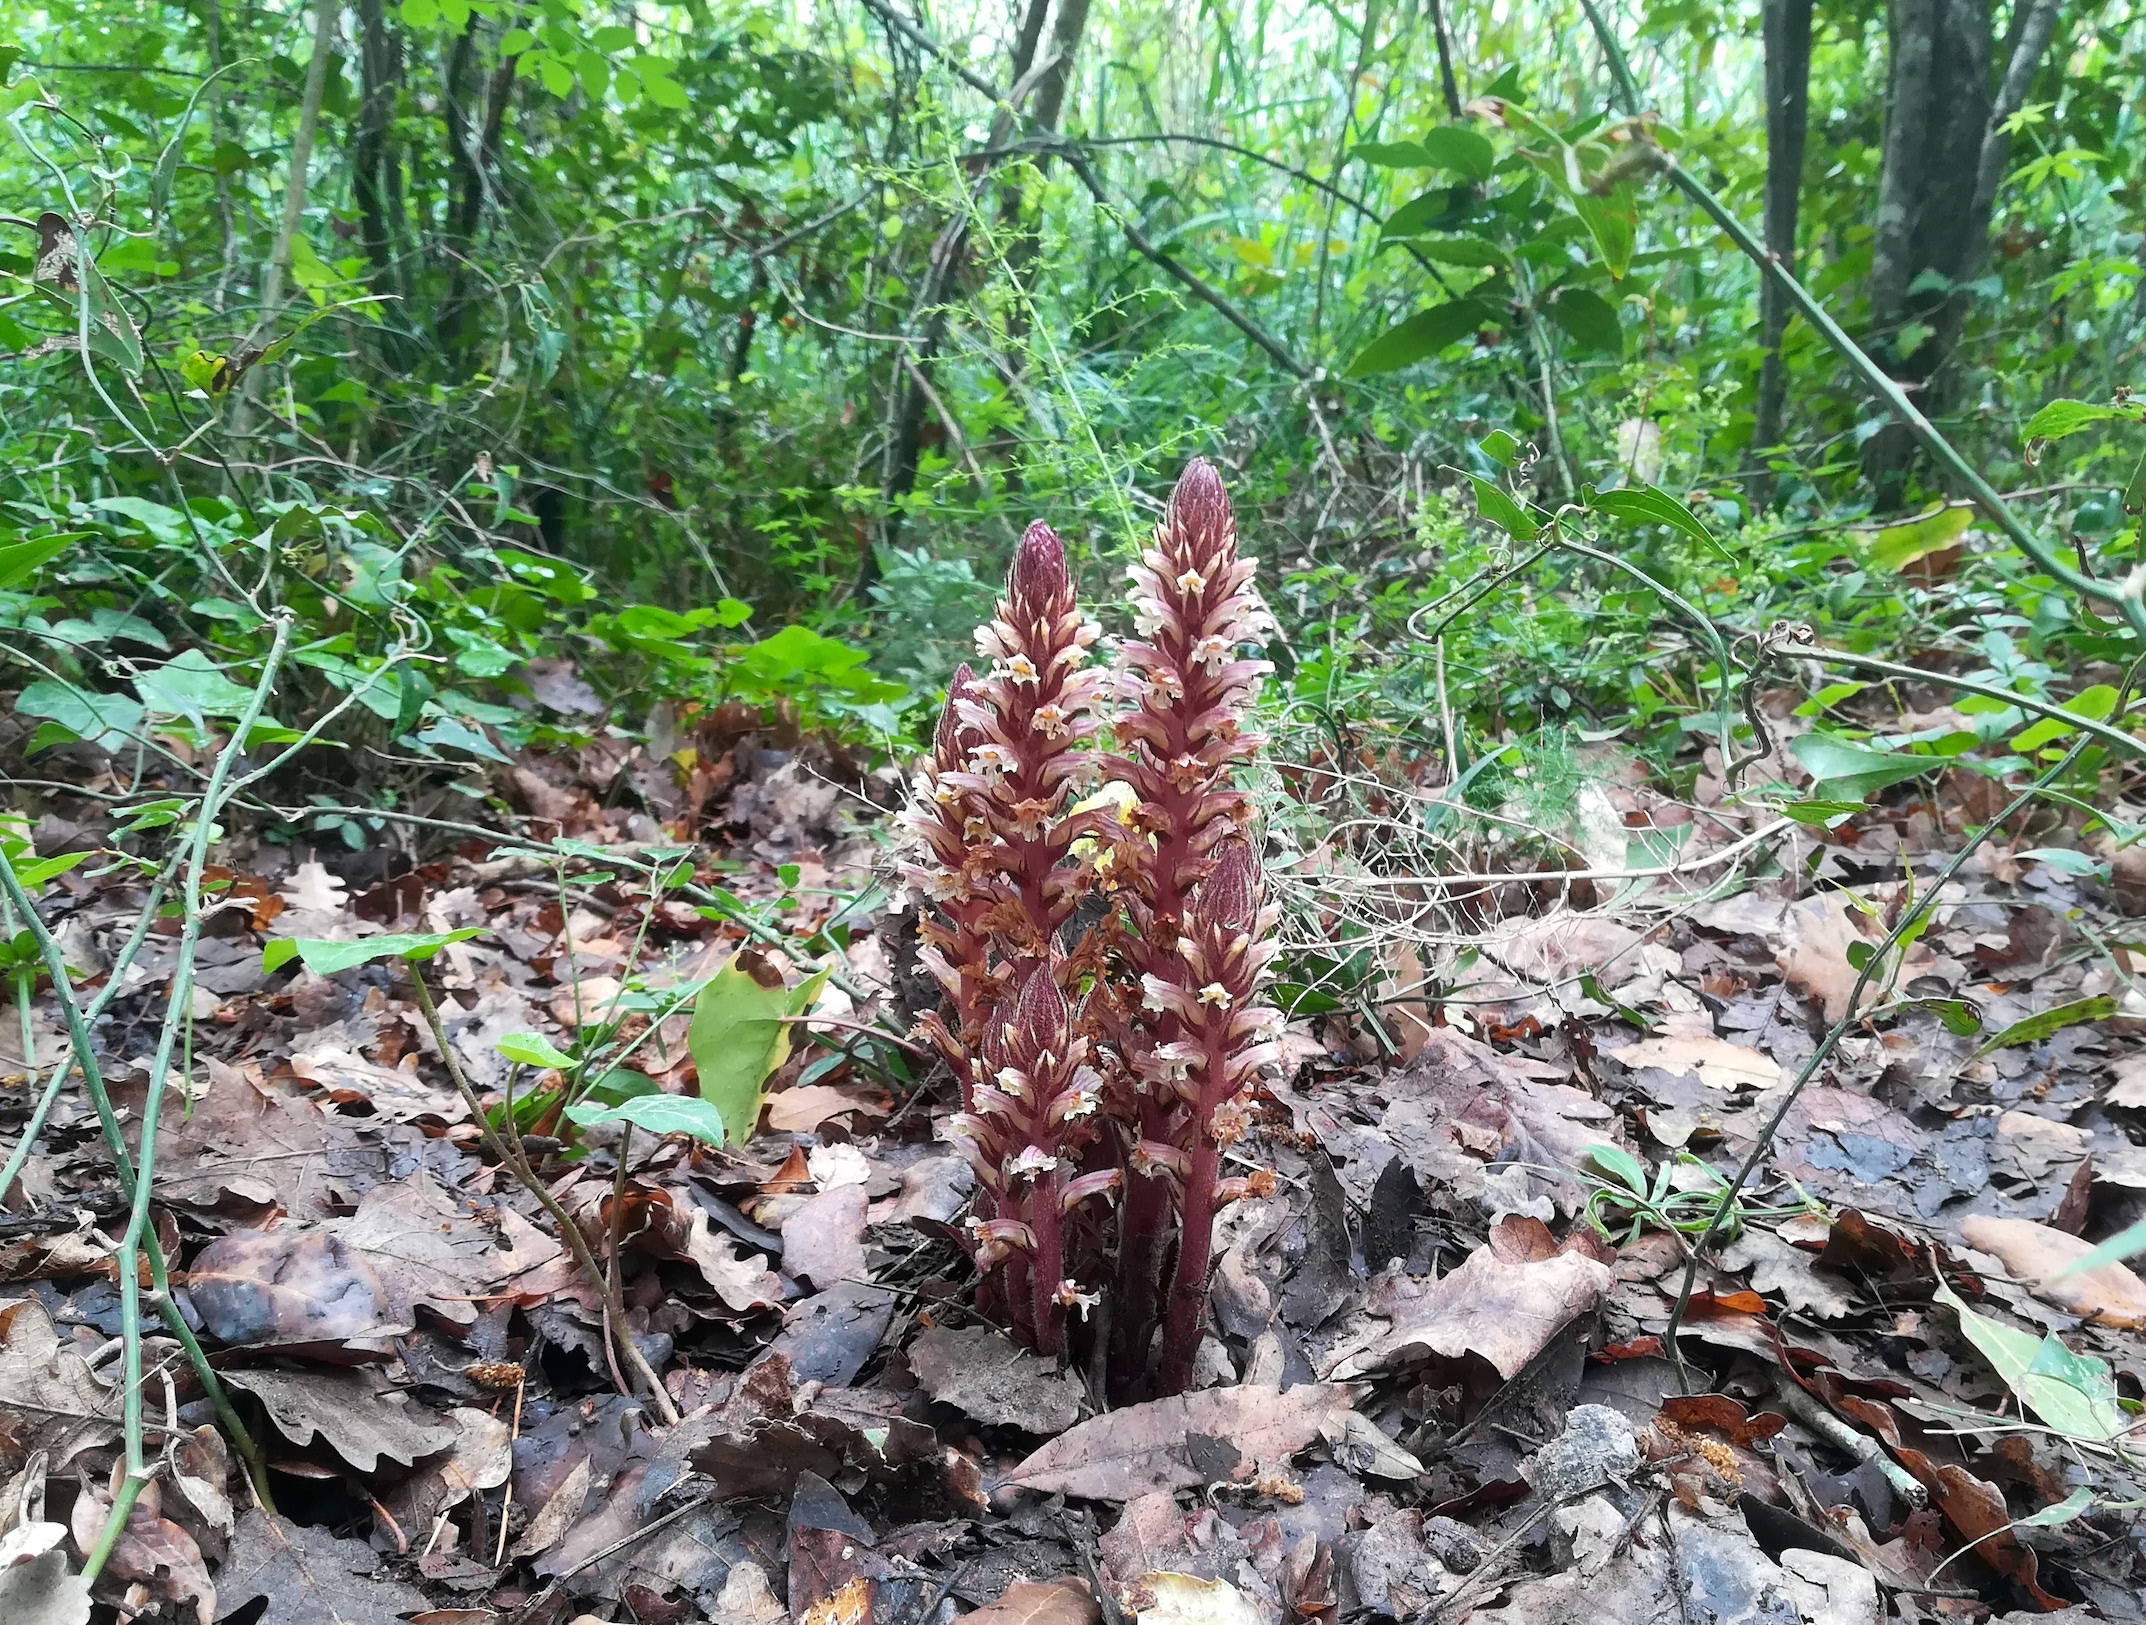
1943,160
473,163
373,155
910,399
1787,25
294,197
1446,81
219,128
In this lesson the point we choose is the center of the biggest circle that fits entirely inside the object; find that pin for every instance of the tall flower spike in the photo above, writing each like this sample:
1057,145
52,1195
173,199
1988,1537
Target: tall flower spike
1034,717
1226,1034
1184,733
1033,1121
947,822
994,812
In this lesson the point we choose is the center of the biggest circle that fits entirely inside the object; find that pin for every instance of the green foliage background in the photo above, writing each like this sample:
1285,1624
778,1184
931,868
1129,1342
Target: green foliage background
601,320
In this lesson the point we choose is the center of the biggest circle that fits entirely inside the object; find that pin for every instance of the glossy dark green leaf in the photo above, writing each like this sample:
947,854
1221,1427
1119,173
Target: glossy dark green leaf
1422,335
1589,318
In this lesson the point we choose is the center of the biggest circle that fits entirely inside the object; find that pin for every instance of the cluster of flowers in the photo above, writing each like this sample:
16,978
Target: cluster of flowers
1098,921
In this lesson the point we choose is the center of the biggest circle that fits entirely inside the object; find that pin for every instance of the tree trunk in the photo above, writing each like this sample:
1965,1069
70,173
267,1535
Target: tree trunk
1943,160
472,164
910,398
373,156
1446,81
1787,26
294,202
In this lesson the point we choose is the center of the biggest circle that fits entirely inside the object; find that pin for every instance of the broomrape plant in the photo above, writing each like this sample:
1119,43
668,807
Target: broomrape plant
1103,957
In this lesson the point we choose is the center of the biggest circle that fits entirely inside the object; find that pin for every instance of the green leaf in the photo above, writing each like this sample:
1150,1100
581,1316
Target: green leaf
1822,814
2060,418
1501,510
2036,1028
1843,769
326,958
1897,546
1422,335
1589,318
34,875
2075,1505
67,275
659,1114
1620,1165
1651,505
1393,154
1613,222
1463,151
1466,152
2072,1393
1469,251
111,720
1962,1017
190,686
532,1049
739,1035
19,559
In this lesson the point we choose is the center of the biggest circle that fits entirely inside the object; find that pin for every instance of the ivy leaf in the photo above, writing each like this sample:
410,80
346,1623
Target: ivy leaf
1422,335
740,1034
326,958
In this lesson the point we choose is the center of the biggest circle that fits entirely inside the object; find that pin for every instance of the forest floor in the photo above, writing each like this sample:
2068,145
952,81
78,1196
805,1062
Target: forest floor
1434,1391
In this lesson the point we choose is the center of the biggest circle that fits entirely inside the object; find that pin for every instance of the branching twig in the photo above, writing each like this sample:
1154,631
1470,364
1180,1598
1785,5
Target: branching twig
507,1148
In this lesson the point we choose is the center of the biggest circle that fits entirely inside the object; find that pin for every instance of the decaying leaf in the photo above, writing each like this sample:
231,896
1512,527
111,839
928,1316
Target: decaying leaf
994,1380
1504,1309
49,1400
1687,1043
1039,1602
309,1577
2037,1255
1186,1599
291,1285
1143,1448
357,1420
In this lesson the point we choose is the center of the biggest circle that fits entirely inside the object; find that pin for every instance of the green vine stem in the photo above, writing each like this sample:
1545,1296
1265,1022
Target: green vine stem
178,1020
2126,598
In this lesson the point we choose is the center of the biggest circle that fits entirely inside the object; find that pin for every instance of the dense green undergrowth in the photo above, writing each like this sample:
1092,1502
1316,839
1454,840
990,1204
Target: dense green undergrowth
698,351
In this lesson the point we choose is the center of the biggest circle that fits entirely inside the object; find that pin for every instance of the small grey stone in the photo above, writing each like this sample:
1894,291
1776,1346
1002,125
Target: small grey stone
1597,1447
